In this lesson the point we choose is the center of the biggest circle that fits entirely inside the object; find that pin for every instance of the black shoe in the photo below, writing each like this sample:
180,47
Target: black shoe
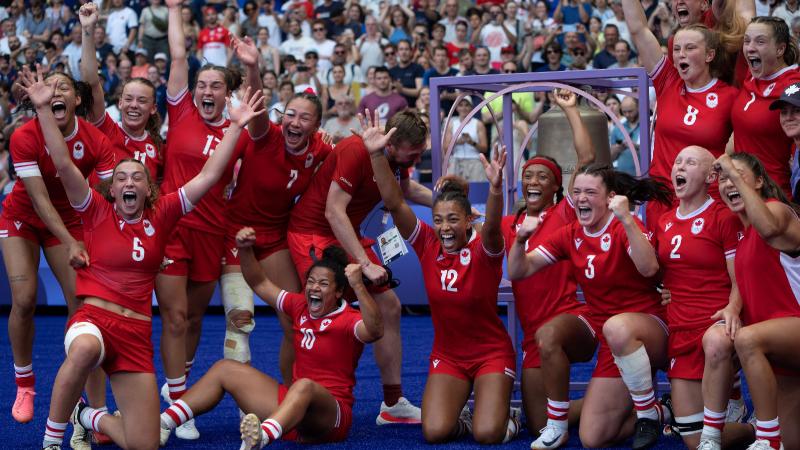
670,427
646,434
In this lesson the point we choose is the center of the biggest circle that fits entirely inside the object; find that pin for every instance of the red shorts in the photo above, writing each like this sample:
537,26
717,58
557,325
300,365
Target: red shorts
530,351
606,367
687,359
469,371
341,429
42,236
267,243
300,246
127,343
194,254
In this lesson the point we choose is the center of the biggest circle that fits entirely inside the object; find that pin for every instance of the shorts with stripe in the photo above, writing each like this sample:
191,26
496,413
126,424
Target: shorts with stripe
344,419
10,227
471,370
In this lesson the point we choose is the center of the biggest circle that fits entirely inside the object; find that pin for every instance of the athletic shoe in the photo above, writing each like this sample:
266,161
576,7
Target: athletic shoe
670,426
52,447
163,436
762,444
646,433
737,411
466,418
253,437
188,430
403,412
22,411
550,437
709,444
81,437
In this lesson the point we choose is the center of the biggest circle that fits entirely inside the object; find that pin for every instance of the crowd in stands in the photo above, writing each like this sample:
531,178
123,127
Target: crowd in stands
355,55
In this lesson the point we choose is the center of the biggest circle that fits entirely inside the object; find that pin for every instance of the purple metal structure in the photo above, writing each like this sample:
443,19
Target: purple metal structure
505,84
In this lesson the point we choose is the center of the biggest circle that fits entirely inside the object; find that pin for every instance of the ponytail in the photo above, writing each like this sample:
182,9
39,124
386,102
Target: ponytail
638,190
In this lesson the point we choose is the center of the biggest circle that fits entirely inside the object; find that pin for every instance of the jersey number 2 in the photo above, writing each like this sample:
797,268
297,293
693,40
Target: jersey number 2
676,242
138,250
449,278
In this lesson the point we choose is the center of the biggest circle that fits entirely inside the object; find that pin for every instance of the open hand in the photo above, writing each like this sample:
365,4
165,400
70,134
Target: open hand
35,88
252,105
373,135
494,169
245,51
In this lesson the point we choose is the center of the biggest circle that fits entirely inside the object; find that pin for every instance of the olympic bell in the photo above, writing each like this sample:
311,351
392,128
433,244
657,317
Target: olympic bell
555,138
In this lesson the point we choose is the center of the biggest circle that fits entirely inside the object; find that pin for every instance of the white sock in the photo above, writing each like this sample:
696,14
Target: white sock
638,377
53,433
713,421
176,415
90,418
272,429
177,387
557,414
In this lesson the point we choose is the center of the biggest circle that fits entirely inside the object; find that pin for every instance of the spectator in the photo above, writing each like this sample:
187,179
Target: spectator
100,42
296,44
54,51
602,11
139,70
572,12
303,80
285,93
441,68
59,14
352,72
270,81
623,53
37,26
270,57
580,57
512,22
8,74
250,26
328,10
620,155
795,28
475,20
450,19
9,27
384,99
390,56
16,49
230,20
407,75
121,27
213,40
72,52
425,13
191,29
619,21
552,54
398,23
153,28
471,142
269,18
160,63
322,45
312,62
460,42
339,126
334,91
161,89
661,22
370,87
539,18
370,45
494,34
420,40
353,20
481,64
465,62
788,11
607,55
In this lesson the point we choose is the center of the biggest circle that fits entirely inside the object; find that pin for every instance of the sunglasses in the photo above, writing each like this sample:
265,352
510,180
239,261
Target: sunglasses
553,52
388,54
509,70
319,29
339,52
578,52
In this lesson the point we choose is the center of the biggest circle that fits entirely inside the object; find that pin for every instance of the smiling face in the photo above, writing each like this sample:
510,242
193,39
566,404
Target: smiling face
451,223
322,293
691,173
539,186
130,188
64,102
137,103
729,192
692,57
591,197
790,121
300,121
209,94
764,55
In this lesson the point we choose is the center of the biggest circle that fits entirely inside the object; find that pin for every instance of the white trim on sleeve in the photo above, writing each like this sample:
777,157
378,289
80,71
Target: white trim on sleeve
27,169
545,254
414,234
355,331
186,205
175,100
281,297
85,204
658,68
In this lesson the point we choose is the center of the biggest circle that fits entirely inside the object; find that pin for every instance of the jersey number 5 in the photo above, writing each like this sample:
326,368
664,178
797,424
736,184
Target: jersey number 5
138,250
449,278
308,338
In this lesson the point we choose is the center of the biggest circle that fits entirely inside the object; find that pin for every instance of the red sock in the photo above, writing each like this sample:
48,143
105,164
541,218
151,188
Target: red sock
392,393
769,430
24,376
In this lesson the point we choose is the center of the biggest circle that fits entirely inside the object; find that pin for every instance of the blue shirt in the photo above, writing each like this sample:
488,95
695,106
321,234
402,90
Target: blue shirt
795,178
624,162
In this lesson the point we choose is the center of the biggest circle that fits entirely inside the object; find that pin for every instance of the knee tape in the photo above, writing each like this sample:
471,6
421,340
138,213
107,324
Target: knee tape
689,425
80,328
236,295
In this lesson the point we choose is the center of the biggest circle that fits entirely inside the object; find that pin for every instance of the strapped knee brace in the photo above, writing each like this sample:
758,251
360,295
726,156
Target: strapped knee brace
80,328
237,296
689,425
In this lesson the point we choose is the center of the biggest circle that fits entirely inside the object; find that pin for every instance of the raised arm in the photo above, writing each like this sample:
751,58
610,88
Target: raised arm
645,41
490,232
40,94
392,194
641,251
252,271
520,263
88,16
246,51
371,327
252,104
179,65
568,102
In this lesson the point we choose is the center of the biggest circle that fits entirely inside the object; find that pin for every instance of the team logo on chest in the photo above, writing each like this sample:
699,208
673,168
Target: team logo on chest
605,242
150,150
303,319
309,160
77,150
121,224
148,228
712,100
697,225
465,256
17,224
739,235
668,226
325,324
578,242
769,89
234,251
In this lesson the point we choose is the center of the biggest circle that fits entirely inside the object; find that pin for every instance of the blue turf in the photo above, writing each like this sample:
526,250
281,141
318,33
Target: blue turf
219,428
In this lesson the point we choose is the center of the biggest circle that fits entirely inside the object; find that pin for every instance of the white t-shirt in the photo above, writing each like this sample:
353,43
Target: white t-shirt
4,50
118,25
271,24
296,47
73,54
494,38
371,52
325,51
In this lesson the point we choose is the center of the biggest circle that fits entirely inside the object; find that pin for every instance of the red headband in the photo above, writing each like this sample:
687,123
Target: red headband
547,163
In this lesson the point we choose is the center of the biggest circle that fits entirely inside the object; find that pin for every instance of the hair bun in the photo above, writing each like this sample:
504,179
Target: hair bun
337,254
454,184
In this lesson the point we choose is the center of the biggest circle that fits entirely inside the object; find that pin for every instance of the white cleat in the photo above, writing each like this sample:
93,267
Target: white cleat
188,430
81,438
550,437
737,411
253,437
403,412
165,394
466,418
708,444
761,444
163,436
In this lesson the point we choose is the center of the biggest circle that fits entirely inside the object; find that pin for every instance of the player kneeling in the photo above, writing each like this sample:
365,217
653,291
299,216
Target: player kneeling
329,336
